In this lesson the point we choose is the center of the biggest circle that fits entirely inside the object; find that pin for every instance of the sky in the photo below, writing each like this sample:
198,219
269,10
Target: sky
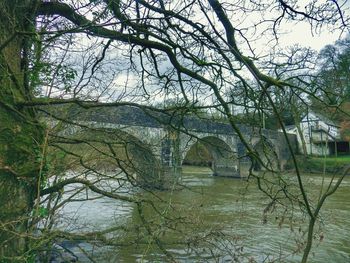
291,31
301,34
294,33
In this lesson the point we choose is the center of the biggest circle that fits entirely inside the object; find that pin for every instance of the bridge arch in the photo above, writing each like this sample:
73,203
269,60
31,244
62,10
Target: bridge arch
111,148
267,152
214,152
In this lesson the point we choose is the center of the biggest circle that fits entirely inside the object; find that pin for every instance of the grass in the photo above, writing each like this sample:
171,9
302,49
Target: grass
333,160
328,164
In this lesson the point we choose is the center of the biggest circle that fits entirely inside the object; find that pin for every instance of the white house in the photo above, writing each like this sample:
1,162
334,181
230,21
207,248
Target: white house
321,135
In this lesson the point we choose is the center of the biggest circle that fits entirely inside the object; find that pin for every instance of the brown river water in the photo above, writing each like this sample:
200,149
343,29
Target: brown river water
213,219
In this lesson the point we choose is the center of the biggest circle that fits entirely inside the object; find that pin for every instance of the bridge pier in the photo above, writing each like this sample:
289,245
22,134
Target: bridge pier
226,171
171,157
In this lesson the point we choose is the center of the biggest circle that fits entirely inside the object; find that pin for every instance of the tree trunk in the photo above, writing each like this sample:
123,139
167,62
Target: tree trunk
309,240
296,116
20,133
303,143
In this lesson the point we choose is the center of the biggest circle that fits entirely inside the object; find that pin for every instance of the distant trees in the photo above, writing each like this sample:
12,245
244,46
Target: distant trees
331,86
333,80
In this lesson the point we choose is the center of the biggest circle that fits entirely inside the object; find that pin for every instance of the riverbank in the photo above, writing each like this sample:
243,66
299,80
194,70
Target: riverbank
319,165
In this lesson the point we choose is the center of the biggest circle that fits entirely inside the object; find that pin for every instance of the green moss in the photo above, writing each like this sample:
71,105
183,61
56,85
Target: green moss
20,144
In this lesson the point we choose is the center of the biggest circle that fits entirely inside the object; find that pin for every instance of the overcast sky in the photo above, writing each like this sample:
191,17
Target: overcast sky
301,34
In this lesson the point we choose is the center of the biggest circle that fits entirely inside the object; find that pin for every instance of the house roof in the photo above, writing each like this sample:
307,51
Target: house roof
321,117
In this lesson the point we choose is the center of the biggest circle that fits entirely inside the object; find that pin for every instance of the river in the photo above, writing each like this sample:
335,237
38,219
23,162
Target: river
214,219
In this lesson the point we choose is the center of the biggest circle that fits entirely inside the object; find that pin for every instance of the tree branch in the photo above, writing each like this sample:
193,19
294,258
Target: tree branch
59,186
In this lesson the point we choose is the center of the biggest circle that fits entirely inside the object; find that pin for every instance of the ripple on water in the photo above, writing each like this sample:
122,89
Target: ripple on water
237,207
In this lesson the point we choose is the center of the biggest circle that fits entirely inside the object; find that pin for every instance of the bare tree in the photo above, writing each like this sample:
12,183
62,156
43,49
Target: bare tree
72,52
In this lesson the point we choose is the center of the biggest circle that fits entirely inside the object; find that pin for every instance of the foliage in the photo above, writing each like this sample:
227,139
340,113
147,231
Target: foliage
319,165
345,130
111,53
332,84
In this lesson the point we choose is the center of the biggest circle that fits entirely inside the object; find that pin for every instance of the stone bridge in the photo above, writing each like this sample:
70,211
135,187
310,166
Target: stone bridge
161,140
